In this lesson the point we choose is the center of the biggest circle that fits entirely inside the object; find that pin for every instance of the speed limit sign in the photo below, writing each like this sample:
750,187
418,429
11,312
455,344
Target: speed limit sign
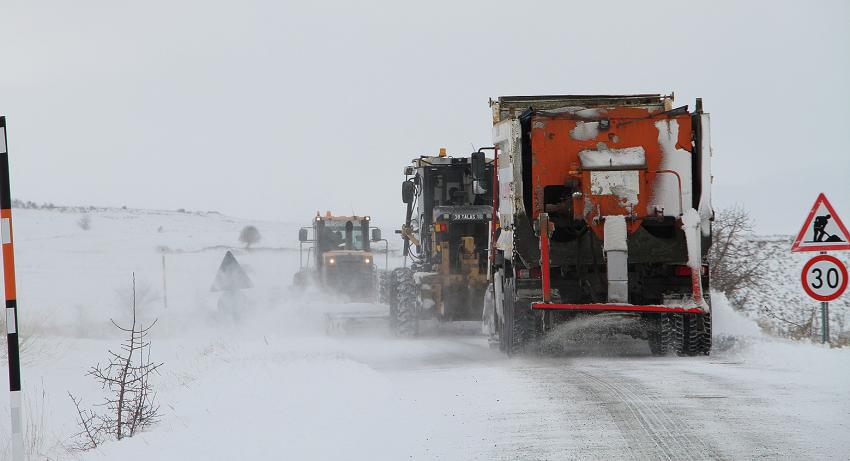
824,278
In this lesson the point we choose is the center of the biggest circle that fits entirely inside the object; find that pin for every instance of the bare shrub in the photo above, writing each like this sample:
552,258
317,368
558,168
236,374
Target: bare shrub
130,404
249,236
803,328
735,259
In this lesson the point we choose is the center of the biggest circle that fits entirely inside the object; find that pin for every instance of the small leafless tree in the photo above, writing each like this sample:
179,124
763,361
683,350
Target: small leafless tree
85,222
736,261
249,236
92,429
130,404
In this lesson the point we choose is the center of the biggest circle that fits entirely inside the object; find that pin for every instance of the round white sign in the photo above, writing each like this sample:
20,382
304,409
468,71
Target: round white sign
824,278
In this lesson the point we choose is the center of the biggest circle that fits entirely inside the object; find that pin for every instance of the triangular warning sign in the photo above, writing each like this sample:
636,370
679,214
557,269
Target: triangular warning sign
823,230
230,275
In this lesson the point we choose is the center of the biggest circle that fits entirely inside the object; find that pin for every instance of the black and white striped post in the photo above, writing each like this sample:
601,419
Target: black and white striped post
11,299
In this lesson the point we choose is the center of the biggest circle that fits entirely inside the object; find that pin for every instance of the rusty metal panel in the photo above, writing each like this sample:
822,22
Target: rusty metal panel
557,144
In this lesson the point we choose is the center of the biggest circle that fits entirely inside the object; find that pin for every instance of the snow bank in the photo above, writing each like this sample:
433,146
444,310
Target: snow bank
263,402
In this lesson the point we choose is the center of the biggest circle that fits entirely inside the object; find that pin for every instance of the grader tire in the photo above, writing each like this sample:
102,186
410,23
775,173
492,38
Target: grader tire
406,320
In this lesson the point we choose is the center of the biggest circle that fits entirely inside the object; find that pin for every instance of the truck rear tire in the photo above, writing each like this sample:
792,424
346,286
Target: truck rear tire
681,325
706,336
661,340
684,334
699,335
405,318
519,328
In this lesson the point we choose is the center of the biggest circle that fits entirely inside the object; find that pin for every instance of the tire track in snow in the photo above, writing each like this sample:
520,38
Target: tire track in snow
642,416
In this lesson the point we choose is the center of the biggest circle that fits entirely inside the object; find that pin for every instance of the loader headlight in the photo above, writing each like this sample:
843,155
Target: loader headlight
367,260
332,261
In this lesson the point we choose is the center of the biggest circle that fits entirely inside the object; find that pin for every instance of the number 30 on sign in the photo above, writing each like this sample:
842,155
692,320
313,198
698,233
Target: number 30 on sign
824,278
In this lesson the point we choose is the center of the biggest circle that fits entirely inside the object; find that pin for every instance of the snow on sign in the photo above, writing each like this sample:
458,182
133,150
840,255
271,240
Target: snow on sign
824,278
823,230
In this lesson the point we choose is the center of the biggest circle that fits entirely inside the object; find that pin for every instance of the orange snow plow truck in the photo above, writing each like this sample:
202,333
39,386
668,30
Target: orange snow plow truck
604,208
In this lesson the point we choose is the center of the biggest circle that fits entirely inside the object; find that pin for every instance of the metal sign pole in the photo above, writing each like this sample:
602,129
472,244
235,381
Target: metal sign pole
11,299
824,315
824,310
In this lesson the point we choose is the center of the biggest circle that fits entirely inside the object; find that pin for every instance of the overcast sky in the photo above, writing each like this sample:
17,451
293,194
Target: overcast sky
274,110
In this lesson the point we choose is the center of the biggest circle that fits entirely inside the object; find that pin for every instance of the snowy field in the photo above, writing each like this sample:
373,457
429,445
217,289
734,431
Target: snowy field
272,385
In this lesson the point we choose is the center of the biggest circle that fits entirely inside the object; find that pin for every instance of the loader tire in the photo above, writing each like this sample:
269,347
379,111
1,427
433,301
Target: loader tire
406,321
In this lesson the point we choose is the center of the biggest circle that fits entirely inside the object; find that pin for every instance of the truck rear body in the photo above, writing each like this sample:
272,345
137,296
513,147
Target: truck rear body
603,203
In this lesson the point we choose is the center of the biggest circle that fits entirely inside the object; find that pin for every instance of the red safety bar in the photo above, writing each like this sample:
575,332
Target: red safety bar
618,308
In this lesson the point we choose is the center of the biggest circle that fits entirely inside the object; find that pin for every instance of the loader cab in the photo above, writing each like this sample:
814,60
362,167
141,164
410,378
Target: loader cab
340,233
340,258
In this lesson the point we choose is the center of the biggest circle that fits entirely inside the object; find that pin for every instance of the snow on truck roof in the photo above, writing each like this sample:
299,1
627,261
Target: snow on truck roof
510,106
588,99
449,160
329,217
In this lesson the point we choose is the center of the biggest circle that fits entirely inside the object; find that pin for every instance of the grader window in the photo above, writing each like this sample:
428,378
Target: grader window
448,187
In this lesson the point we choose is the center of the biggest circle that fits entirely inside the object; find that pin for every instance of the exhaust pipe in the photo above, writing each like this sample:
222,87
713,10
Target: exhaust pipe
617,255
349,235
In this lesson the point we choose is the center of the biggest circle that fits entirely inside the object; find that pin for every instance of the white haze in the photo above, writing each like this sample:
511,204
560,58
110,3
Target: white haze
276,109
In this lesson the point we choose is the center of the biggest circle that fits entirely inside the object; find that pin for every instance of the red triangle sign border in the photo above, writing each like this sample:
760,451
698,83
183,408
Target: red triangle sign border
799,240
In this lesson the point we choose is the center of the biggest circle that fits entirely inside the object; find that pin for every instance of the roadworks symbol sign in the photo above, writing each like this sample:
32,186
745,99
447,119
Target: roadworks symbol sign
230,276
822,230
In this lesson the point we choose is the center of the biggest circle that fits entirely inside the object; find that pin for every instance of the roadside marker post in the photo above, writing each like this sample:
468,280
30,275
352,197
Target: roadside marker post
824,277
12,330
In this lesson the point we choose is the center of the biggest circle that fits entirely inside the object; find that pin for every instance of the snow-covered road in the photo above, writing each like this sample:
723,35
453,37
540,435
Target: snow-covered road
451,397
624,404
261,393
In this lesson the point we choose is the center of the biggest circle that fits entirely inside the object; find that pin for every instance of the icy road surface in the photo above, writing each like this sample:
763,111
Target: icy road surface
453,398
271,384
